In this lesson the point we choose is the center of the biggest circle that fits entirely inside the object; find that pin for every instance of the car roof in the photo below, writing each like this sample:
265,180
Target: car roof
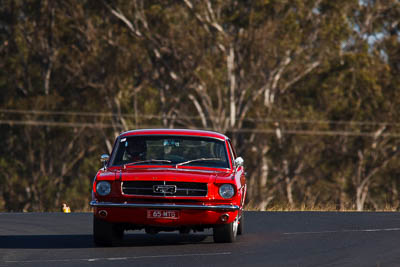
186,132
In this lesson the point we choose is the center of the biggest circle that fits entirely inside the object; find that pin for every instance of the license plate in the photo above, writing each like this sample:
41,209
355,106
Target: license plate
163,214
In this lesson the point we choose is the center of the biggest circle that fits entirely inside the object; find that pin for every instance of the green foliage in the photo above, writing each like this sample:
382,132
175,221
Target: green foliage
315,87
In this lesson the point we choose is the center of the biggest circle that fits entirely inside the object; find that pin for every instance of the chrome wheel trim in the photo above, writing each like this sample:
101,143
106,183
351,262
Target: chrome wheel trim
235,226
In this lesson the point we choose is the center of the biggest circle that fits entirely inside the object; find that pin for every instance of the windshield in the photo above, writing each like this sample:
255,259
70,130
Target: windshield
170,150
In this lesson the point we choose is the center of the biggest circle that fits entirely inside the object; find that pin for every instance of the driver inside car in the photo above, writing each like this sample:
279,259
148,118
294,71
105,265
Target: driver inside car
136,150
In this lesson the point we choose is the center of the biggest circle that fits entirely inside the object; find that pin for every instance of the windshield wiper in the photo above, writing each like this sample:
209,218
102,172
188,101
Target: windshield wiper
194,160
147,161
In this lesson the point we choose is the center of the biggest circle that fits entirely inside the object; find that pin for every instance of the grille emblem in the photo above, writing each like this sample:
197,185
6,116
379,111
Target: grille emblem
164,189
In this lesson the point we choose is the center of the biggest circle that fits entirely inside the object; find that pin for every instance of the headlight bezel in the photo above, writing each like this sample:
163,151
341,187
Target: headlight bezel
103,188
226,191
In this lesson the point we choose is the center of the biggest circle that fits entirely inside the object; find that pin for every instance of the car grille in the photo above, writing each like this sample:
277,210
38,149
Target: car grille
164,188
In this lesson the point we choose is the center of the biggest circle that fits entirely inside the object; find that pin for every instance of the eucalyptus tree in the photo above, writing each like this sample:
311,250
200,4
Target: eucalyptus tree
43,150
307,89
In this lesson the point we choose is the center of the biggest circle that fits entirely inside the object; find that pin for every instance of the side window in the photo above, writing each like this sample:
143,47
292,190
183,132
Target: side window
231,147
231,152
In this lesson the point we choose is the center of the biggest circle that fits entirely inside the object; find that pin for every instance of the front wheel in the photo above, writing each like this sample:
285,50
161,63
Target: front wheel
226,233
240,230
106,233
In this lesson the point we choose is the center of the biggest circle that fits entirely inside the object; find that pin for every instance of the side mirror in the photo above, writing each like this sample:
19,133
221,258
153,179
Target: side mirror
239,162
104,159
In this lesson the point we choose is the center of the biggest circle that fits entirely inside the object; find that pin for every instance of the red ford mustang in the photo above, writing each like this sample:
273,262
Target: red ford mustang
167,180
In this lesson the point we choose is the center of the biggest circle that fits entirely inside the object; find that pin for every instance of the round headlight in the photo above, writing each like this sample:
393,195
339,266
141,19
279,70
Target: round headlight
226,191
103,188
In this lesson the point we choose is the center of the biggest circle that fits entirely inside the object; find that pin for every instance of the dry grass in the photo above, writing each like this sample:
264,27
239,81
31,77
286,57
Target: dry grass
319,208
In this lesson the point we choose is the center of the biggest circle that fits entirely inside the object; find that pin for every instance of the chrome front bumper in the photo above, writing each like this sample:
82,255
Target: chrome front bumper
164,206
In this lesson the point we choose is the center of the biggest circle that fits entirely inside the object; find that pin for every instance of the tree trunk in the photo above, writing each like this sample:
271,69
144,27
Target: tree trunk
395,196
262,186
343,194
361,195
289,191
232,81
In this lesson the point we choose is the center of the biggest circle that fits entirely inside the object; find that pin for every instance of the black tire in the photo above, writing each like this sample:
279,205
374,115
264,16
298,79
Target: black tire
184,231
225,233
106,234
240,230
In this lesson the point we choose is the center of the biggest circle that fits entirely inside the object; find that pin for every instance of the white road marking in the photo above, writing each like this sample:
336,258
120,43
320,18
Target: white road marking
344,231
124,258
118,259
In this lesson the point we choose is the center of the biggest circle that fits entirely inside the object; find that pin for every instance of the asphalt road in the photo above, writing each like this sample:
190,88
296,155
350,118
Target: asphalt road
271,239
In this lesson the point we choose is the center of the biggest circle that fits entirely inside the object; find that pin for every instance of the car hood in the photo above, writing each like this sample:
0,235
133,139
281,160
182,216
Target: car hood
183,175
